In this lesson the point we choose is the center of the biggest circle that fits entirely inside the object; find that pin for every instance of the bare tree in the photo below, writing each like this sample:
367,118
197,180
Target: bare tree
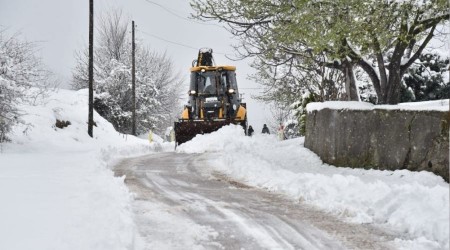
280,114
157,85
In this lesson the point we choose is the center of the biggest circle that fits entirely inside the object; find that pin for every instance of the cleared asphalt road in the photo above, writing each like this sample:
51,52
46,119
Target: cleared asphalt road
243,217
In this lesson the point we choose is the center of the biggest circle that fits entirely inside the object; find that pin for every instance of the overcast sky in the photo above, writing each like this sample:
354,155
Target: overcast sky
61,27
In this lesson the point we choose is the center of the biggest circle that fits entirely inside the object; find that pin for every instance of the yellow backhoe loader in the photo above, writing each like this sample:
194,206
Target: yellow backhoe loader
214,100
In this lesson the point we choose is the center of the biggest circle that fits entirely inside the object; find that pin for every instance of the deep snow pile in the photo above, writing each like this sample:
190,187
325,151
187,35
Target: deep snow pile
56,188
413,204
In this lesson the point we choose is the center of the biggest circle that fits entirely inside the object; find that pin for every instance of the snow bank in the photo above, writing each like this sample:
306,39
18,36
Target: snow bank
438,105
57,190
414,204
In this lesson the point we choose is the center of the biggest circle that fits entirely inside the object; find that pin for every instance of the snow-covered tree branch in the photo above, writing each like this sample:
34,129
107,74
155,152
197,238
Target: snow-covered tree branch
383,35
157,84
23,79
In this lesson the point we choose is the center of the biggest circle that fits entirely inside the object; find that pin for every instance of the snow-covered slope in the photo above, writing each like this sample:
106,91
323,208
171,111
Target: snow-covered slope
56,189
413,204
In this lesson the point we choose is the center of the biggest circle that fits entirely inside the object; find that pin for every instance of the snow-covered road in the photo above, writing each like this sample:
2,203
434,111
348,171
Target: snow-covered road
223,190
181,204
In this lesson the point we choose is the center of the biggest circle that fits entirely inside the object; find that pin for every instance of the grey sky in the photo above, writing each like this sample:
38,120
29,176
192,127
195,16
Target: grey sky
61,27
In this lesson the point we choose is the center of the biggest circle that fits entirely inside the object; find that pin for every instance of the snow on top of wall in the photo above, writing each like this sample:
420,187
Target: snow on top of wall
438,105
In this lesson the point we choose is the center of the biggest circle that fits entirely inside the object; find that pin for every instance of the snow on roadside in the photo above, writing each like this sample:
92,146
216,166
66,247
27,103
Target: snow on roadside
56,188
413,204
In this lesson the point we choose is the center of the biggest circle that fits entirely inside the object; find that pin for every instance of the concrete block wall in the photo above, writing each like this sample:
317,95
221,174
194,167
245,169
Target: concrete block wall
381,139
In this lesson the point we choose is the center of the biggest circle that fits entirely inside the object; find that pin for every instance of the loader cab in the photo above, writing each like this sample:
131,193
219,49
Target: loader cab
209,84
213,92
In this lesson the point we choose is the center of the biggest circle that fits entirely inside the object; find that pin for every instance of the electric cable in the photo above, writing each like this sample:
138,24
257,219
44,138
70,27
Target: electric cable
172,12
177,43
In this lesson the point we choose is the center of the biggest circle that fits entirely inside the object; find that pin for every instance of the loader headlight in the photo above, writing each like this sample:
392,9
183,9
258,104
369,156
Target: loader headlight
192,92
230,91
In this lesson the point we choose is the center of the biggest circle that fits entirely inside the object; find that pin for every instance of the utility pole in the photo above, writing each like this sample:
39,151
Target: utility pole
133,81
91,69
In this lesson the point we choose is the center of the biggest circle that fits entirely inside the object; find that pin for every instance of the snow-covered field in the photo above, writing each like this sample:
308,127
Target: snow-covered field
56,189
58,192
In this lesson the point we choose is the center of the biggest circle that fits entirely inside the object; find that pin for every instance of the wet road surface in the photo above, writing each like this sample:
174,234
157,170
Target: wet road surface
240,216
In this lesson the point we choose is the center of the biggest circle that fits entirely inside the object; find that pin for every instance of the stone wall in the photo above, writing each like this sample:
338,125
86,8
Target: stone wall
381,139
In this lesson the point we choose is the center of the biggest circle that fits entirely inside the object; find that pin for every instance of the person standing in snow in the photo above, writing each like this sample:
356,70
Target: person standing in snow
250,131
281,132
265,129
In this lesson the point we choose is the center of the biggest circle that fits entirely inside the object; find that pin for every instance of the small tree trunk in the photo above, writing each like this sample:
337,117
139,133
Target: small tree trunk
394,86
350,82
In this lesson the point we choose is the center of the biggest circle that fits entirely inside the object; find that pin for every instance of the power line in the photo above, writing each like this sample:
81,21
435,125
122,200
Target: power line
177,43
165,40
177,15
172,12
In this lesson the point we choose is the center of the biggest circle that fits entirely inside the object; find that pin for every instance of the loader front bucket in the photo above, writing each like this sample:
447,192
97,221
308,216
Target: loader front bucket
185,130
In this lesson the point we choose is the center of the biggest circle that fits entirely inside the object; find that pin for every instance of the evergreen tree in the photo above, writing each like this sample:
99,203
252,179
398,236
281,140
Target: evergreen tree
424,80
301,109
